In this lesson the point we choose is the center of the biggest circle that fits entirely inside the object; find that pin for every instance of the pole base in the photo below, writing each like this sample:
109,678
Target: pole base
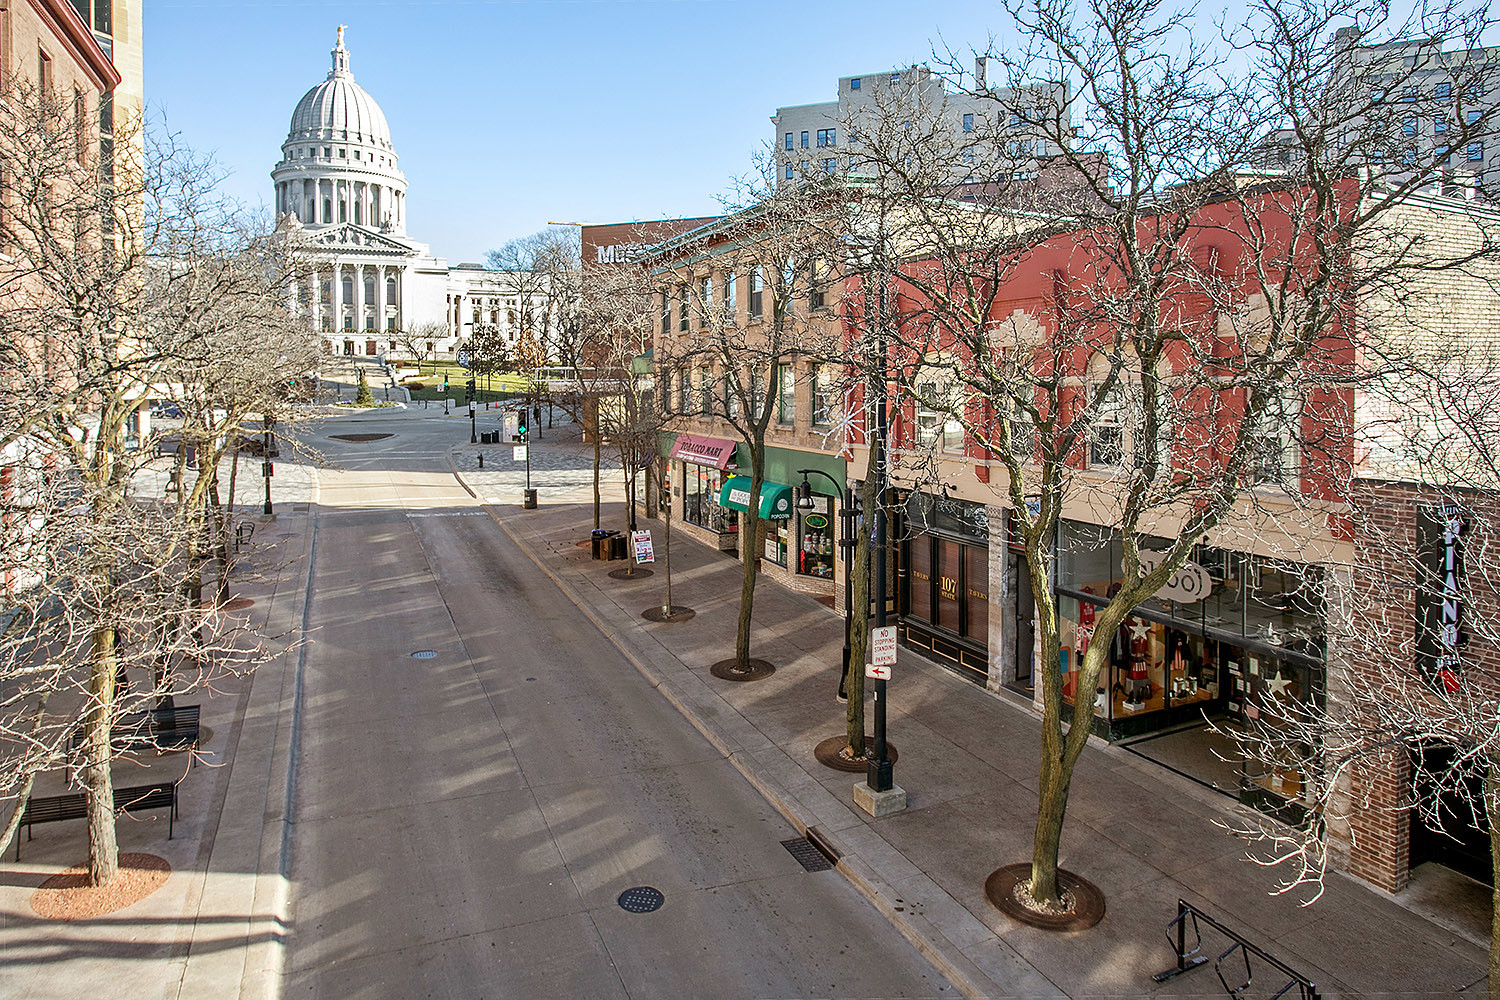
879,804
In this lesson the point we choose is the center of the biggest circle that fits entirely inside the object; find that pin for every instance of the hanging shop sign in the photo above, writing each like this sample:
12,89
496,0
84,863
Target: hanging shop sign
1188,585
1440,560
959,518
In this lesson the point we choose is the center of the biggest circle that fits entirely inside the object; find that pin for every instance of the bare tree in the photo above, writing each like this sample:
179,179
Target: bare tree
120,270
420,341
773,235
1124,340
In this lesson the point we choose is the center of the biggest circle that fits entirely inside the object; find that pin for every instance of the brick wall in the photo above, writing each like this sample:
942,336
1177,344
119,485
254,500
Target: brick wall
1375,643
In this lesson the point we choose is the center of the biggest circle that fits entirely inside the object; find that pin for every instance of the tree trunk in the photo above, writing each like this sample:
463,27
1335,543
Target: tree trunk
750,544
23,795
596,478
1060,752
749,540
859,625
104,857
666,552
226,515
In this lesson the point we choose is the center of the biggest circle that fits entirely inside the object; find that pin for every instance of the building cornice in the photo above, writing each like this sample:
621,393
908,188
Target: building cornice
68,27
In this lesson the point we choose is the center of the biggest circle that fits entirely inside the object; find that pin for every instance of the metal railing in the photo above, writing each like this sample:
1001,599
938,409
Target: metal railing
1190,958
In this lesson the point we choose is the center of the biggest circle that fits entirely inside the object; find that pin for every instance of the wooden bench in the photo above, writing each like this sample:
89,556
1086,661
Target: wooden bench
74,805
165,729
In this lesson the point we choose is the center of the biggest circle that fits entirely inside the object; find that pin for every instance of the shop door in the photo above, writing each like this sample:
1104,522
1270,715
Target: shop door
1025,615
1462,842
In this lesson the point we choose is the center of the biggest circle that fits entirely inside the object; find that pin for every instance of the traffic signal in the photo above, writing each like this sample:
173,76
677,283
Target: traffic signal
469,391
521,423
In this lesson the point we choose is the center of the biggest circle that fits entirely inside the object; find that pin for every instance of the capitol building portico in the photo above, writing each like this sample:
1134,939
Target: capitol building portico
339,189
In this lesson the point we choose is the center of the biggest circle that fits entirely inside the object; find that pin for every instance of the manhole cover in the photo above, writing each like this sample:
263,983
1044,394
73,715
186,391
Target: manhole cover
424,654
641,899
359,438
807,855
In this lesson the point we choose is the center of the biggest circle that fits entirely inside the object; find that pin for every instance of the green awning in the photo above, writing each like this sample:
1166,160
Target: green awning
775,498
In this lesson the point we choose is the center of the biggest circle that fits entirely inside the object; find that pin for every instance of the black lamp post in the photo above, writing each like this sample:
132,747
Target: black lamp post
473,425
266,467
846,542
879,775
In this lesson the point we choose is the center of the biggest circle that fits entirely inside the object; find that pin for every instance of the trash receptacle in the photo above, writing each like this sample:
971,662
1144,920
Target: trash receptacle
529,501
617,547
598,539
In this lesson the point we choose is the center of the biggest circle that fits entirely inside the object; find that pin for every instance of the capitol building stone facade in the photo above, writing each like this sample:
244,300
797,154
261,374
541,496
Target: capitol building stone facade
374,290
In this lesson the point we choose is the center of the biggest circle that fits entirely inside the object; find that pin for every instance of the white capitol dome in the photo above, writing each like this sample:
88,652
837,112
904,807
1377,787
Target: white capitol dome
338,164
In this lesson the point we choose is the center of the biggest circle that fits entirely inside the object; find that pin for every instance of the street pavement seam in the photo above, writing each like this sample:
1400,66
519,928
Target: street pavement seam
951,959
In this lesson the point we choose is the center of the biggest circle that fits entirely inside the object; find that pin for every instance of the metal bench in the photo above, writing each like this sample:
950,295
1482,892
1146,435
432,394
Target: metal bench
164,729
74,805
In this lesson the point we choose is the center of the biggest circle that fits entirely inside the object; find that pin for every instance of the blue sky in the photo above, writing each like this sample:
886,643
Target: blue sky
508,114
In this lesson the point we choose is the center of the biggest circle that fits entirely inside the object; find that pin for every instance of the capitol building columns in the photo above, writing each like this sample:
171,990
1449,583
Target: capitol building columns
338,187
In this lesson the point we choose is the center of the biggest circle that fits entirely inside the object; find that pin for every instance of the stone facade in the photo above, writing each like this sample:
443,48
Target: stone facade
373,290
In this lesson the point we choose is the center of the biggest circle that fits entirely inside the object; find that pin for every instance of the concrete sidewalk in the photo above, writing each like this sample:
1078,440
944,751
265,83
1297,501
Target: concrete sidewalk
968,760
216,928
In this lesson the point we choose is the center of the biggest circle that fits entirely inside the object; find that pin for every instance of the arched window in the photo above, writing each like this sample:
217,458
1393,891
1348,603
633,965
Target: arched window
343,211
327,210
348,289
390,290
369,287
357,219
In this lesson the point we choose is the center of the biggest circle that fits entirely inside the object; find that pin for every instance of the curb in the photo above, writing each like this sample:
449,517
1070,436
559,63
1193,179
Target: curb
959,964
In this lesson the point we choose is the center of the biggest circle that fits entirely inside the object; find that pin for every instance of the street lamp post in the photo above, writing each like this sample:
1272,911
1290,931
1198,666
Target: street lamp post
266,466
847,540
880,777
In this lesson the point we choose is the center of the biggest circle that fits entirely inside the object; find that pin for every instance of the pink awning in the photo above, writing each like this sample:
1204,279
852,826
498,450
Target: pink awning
701,450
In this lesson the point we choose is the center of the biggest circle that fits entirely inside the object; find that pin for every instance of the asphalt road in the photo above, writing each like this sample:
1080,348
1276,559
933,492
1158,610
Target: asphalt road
465,823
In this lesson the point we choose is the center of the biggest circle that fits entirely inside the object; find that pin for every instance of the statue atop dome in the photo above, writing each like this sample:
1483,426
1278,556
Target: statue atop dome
340,57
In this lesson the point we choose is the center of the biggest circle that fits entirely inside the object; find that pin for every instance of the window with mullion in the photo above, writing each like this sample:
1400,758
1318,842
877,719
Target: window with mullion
786,394
1107,437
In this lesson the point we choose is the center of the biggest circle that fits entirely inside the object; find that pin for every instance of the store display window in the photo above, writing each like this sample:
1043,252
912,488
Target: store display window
700,500
815,539
1248,649
776,535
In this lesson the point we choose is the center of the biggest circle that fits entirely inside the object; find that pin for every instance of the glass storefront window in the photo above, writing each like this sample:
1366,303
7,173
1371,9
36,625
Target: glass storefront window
815,540
700,500
775,534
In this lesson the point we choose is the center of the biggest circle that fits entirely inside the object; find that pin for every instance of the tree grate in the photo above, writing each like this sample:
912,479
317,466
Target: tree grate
807,854
424,654
641,899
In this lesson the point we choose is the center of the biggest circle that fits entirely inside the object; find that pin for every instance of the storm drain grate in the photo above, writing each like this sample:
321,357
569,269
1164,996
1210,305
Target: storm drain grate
641,899
424,654
807,855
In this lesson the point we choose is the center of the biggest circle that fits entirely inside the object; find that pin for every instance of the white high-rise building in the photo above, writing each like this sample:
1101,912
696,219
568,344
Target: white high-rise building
340,187
988,131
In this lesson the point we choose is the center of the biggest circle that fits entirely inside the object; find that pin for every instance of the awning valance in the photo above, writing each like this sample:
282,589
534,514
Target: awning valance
701,450
775,498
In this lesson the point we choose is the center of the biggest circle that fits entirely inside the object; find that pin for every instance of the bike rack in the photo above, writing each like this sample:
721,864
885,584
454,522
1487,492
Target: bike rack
1190,958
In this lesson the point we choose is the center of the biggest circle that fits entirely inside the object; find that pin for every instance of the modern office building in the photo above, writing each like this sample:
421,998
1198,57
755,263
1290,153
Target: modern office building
988,129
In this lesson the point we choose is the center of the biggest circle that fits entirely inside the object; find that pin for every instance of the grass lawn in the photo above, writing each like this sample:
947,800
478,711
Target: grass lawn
491,387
